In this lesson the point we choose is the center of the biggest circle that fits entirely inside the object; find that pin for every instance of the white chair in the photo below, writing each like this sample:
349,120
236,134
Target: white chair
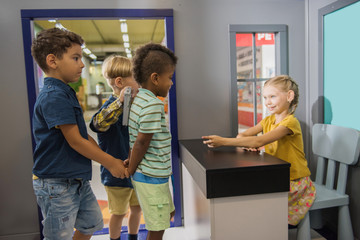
336,145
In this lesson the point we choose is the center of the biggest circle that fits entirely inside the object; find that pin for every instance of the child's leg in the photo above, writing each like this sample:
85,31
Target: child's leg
119,199
172,214
79,236
115,224
155,235
134,219
89,218
60,201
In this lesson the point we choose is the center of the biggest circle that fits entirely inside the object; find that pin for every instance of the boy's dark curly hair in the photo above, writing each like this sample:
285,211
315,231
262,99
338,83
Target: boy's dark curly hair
152,58
53,41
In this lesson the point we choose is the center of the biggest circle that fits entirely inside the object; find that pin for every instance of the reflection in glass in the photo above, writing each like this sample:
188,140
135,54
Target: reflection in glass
265,55
245,105
244,56
249,81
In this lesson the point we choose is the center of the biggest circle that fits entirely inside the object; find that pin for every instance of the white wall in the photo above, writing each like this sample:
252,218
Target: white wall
203,80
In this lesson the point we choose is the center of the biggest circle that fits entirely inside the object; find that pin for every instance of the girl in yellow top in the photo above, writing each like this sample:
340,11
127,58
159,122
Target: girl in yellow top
282,138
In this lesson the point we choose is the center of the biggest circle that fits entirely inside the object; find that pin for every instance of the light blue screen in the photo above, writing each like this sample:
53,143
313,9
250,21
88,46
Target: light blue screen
342,67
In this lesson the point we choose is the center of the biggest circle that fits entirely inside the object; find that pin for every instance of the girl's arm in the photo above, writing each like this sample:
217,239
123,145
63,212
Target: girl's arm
253,131
89,149
138,151
248,141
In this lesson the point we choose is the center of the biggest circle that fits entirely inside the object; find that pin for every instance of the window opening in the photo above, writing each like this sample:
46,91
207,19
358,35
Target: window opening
258,52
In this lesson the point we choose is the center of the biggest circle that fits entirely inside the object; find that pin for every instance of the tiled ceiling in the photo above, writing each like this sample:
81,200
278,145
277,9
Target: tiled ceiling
104,37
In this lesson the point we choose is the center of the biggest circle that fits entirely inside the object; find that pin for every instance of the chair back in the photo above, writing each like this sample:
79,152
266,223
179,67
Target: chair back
336,144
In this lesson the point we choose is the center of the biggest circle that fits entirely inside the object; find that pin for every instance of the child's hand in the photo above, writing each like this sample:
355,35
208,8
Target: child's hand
121,96
127,174
134,92
213,141
252,149
117,169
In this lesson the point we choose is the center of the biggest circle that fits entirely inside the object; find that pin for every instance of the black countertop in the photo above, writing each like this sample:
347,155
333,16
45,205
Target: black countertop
231,171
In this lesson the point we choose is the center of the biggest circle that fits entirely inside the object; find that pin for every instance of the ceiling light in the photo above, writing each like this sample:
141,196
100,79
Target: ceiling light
123,27
60,26
129,55
87,51
93,56
122,20
52,20
127,50
126,45
125,37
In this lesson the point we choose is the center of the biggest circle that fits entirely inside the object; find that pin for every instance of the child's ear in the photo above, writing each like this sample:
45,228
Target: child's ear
154,78
51,61
119,82
290,95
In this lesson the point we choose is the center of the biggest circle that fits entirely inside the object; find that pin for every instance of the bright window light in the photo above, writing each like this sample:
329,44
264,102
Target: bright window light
127,50
129,55
126,45
125,37
123,27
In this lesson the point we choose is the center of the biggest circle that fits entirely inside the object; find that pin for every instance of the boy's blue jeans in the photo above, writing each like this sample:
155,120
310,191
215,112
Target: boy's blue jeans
67,204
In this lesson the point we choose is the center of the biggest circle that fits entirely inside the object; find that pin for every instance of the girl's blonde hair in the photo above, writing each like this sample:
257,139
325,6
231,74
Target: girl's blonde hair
116,66
285,83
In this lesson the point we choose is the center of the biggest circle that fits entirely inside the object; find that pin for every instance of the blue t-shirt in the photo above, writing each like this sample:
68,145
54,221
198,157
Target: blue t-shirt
114,141
53,157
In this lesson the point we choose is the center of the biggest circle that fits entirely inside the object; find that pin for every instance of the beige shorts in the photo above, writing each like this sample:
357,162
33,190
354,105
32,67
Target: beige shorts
120,198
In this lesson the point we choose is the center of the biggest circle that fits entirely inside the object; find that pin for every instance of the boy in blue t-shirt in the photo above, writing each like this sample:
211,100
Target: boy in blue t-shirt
113,138
150,139
62,165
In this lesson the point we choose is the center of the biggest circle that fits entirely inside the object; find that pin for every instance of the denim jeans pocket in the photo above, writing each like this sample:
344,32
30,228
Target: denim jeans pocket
57,188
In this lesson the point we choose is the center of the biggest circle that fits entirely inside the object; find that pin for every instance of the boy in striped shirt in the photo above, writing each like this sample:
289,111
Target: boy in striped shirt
150,139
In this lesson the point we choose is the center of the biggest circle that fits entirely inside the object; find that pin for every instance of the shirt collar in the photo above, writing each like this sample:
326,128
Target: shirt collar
147,91
56,82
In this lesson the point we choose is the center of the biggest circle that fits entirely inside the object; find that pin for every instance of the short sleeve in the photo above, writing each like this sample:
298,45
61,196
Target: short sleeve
291,123
58,109
150,117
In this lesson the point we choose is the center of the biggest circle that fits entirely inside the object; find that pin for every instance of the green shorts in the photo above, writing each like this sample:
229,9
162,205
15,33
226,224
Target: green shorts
156,204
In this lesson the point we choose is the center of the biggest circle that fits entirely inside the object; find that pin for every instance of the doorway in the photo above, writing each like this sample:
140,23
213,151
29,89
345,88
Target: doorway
103,35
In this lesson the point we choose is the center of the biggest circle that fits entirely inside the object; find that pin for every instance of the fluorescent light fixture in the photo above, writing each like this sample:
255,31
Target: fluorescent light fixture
123,27
52,20
60,26
125,37
127,50
122,20
87,51
129,55
93,56
126,45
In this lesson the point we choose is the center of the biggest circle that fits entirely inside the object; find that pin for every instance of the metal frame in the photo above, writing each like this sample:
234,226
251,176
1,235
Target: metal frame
27,16
281,58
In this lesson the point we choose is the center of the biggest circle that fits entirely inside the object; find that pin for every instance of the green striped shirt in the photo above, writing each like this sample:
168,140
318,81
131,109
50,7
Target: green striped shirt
147,115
